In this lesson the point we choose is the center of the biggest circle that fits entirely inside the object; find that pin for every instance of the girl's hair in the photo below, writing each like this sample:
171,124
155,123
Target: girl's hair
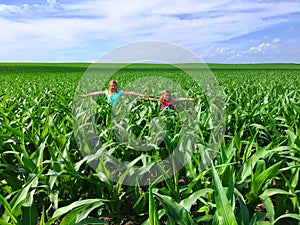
162,99
109,89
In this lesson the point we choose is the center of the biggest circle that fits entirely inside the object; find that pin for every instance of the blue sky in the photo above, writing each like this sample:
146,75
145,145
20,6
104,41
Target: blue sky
221,31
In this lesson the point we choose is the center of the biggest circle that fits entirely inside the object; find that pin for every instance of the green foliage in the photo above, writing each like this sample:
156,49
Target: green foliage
45,179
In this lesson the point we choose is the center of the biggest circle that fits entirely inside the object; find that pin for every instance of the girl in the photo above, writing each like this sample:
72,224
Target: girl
112,93
166,100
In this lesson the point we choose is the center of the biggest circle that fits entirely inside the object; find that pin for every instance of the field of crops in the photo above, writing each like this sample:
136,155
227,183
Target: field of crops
48,177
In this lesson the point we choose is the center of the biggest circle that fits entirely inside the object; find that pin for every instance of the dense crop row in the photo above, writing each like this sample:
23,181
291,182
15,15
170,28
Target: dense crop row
46,179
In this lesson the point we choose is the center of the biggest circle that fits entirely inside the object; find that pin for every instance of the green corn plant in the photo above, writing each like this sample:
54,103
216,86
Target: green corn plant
47,177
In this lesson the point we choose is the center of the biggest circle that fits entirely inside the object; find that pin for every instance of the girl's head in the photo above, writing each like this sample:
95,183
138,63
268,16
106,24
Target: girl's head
112,87
166,100
166,95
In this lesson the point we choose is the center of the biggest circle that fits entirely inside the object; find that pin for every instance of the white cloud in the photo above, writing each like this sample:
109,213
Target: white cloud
6,9
58,25
51,3
260,48
276,40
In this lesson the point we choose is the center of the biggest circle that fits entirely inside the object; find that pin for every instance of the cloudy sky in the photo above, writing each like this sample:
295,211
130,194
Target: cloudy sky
220,31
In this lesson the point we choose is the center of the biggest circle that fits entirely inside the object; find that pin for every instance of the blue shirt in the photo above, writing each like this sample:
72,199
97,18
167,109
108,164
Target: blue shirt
114,97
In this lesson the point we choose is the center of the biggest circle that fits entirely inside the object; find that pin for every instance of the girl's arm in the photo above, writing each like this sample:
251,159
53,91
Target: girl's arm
151,99
94,94
185,99
132,93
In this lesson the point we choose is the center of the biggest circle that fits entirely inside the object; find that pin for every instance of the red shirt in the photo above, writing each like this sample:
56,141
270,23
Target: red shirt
167,105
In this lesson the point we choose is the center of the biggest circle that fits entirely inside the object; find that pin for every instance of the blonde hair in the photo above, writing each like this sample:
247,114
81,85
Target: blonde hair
109,89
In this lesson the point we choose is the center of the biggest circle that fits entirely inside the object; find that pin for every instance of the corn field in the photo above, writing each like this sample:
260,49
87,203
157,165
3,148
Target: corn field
45,177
